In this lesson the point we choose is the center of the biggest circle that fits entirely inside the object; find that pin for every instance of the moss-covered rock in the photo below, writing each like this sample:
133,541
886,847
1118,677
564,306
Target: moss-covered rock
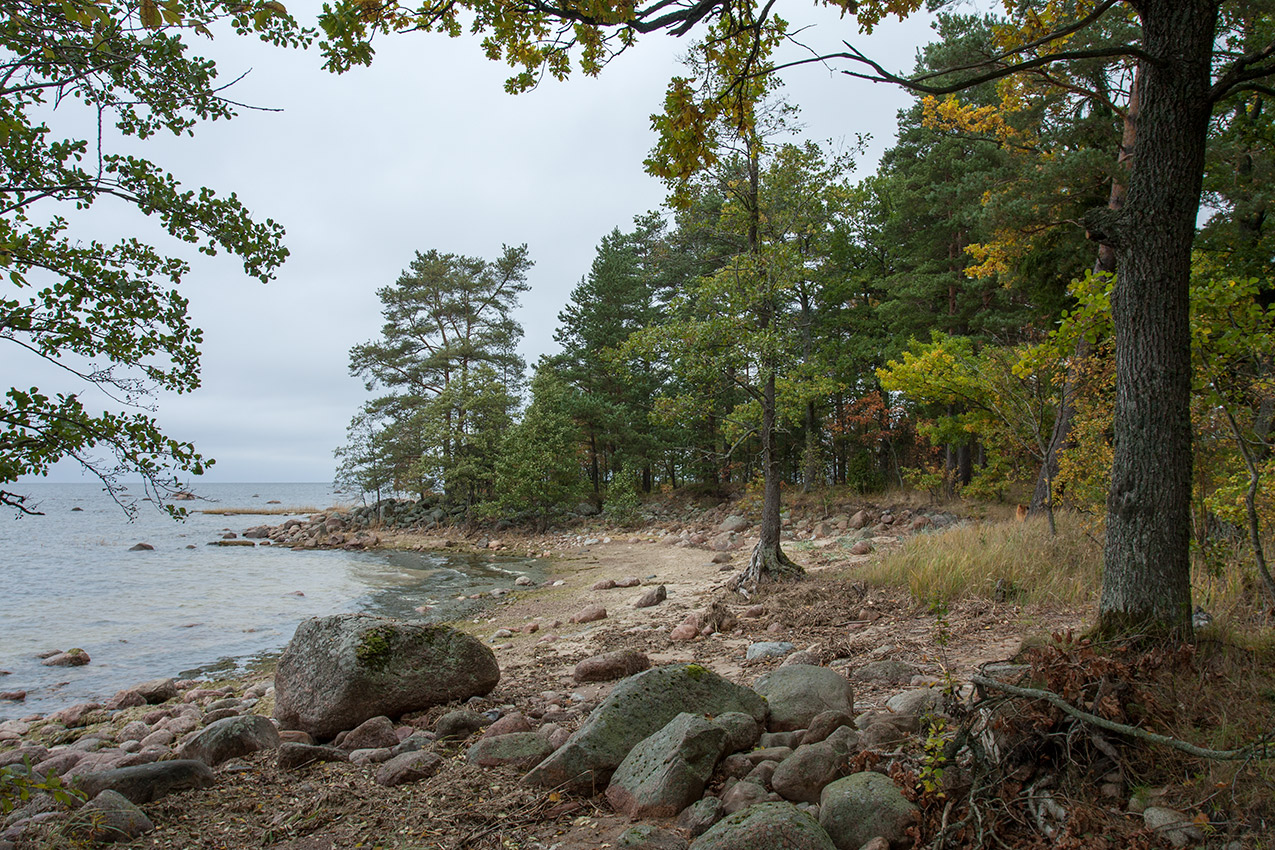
858,808
766,826
638,707
339,671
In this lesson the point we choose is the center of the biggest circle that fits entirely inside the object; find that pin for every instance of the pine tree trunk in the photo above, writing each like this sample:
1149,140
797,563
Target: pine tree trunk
768,562
810,455
1146,581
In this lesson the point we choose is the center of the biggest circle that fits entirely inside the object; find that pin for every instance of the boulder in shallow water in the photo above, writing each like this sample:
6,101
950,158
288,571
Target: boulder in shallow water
341,670
71,658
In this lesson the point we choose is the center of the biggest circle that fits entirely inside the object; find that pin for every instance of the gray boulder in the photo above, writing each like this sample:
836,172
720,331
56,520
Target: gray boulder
408,767
699,817
458,725
107,818
798,693
666,772
373,733
791,740
916,702
522,750
824,724
644,836
338,671
744,794
888,670
1177,827
146,783
742,730
230,738
293,755
156,691
768,649
766,826
802,776
636,708
861,807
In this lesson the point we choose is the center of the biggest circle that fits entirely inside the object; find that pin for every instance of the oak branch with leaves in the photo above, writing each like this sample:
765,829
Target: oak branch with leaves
109,314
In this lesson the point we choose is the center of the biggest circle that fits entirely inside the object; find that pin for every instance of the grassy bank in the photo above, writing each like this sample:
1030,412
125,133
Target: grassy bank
1004,561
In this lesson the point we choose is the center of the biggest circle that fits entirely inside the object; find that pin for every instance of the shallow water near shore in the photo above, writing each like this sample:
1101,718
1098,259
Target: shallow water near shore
68,579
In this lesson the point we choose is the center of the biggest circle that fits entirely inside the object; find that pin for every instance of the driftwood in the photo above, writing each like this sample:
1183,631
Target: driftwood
1263,748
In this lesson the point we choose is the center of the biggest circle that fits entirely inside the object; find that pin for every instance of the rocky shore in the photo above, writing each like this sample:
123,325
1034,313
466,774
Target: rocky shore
628,702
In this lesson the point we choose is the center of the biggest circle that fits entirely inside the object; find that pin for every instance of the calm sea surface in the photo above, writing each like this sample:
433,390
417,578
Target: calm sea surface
68,579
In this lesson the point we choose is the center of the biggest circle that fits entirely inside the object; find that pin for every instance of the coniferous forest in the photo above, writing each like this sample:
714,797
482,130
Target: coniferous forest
943,324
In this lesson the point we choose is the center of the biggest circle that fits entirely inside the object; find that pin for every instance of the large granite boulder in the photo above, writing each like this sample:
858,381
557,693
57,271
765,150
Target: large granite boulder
667,772
636,708
341,670
861,807
766,826
798,693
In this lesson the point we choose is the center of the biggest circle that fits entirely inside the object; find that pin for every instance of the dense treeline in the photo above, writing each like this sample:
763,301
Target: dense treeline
944,322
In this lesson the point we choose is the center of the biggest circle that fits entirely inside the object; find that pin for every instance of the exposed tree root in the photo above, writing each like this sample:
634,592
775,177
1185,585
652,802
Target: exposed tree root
767,564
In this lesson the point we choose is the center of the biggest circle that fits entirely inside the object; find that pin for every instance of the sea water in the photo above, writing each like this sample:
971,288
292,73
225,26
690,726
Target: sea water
69,579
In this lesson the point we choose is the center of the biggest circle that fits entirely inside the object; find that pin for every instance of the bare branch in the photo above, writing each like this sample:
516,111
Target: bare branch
1242,70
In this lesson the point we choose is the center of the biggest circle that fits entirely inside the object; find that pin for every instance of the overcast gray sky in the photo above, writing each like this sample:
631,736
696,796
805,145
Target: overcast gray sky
422,150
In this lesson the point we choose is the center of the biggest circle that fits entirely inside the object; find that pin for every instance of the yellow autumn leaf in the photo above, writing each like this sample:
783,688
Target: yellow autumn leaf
149,14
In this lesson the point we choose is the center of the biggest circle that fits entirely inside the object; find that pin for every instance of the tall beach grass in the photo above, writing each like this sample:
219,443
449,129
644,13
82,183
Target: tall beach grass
1018,561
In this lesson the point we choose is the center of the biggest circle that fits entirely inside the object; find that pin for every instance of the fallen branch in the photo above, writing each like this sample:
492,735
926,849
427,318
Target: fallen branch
1261,749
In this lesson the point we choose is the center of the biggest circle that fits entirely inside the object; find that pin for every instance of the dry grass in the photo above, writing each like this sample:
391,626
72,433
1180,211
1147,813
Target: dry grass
1002,560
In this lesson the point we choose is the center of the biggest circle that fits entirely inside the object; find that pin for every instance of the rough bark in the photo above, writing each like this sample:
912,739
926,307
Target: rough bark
1146,582
768,561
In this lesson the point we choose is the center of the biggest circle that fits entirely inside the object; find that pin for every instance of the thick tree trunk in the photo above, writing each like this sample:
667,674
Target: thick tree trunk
1146,581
